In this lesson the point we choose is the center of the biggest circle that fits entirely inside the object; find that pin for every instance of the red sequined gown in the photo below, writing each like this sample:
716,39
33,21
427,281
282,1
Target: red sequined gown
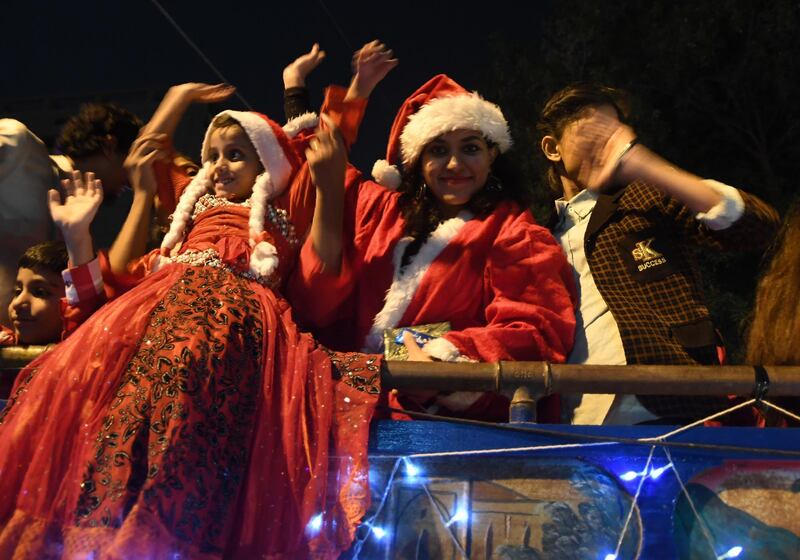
189,418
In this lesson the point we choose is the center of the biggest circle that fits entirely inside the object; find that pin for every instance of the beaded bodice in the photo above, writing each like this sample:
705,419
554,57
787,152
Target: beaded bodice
277,216
218,237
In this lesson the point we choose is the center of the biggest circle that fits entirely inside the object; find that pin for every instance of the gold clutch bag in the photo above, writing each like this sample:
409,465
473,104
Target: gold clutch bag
394,349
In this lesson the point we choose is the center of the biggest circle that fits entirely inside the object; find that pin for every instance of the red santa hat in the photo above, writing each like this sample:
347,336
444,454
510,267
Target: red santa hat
441,105
280,160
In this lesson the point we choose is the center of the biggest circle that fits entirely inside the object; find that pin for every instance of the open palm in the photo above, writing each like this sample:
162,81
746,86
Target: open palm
371,63
298,70
205,93
83,196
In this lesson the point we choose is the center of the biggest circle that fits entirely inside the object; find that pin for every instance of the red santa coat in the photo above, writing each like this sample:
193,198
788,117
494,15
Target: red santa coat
501,281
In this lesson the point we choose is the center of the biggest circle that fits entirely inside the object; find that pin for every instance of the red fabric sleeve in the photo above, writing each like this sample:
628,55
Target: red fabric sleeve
83,282
318,294
171,181
346,114
530,298
85,293
320,297
300,198
117,284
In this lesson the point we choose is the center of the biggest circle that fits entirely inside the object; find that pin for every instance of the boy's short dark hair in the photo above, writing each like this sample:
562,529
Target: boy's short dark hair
50,256
87,132
568,105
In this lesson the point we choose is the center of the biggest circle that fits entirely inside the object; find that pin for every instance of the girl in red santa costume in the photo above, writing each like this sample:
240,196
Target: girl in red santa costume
189,417
450,239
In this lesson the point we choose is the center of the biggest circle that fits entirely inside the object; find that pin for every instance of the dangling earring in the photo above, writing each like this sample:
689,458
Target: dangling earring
493,184
421,191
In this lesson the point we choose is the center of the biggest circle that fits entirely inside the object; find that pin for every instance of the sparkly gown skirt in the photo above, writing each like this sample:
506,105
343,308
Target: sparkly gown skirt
187,419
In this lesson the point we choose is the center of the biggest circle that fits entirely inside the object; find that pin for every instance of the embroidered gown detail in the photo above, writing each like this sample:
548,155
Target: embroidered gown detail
189,418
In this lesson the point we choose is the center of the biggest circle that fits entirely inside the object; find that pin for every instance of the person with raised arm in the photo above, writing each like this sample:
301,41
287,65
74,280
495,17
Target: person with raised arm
189,416
451,240
628,221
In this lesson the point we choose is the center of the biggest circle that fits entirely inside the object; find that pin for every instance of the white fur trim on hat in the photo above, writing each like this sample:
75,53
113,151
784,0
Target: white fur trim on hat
301,122
269,149
157,262
386,174
264,259
263,189
200,184
445,114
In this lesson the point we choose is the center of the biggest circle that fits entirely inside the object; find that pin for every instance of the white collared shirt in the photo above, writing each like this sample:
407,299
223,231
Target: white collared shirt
597,337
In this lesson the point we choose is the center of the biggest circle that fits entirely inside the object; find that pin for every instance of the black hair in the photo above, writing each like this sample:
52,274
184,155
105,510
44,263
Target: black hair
86,133
568,105
50,256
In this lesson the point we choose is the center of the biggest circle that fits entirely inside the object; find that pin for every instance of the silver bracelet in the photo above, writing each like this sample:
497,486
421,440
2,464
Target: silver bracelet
626,149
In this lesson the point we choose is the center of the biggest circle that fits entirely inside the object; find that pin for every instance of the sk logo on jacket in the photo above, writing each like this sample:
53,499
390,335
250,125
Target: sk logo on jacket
643,251
647,256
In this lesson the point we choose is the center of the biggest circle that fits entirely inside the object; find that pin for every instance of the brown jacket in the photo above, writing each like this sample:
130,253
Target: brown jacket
639,245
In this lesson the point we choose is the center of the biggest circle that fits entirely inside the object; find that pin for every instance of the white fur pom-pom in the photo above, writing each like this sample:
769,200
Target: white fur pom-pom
386,174
157,262
300,123
264,259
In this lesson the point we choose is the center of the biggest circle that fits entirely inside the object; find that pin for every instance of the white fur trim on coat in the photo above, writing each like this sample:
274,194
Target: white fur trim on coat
294,126
726,211
406,281
386,174
468,111
442,349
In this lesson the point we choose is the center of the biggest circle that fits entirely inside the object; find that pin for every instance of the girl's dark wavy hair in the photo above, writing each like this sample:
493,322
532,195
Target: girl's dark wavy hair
422,214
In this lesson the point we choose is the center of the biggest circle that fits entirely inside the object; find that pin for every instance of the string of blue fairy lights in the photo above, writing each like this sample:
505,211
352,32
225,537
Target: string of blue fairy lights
412,473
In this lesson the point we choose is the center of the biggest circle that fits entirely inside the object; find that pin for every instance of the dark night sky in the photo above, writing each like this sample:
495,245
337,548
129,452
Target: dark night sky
90,48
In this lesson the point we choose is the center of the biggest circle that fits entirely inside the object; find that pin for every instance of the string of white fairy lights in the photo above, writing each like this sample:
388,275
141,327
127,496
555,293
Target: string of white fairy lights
413,474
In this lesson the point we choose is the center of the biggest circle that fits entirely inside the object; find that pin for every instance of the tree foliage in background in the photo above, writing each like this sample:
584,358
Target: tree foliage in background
714,88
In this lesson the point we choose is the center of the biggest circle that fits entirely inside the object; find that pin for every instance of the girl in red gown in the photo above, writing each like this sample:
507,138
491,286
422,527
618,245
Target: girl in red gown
189,417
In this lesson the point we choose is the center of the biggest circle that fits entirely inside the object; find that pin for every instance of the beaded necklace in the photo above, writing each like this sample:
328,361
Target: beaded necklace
278,216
